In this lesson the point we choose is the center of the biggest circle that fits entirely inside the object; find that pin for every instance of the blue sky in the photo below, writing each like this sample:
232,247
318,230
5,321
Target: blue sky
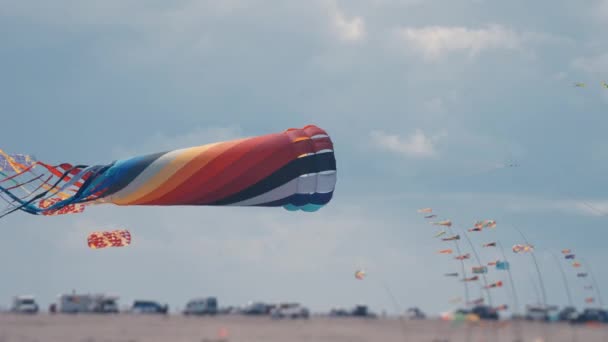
420,97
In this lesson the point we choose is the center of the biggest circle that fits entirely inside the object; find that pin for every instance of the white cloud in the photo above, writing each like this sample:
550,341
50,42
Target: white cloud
435,42
595,64
347,29
416,145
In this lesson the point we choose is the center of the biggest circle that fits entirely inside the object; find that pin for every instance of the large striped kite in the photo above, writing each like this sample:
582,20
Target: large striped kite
294,169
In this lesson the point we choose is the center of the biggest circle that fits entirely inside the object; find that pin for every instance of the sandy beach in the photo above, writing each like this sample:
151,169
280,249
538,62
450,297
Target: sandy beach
129,328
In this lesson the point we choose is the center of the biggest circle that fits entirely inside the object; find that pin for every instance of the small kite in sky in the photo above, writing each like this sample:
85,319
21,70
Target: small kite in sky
569,256
493,285
522,248
443,232
502,265
478,301
455,274
446,223
480,269
566,251
430,216
579,84
425,210
360,274
581,275
114,238
474,278
489,244
463,257
451,238
445,251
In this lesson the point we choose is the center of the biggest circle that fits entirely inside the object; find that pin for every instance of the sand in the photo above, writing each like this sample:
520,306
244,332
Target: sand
132,328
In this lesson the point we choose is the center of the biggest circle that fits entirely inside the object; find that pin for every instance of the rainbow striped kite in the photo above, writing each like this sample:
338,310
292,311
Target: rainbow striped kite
294,169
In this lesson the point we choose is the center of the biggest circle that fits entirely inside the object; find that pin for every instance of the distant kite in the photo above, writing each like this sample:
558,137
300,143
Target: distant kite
502,265
477,301
493,285
522,248
425,210
446,223
445,251
581,275
566,251
476,229
474,278
588,287
589,300
579,85
430,216
115,238
493,263
569,256
443,232
455,274
360,274
480,269
452,238
576,264
463,257
605,85
489,244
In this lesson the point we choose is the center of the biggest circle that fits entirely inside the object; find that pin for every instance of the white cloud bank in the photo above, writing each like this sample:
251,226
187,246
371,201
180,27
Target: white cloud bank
435,42
416,145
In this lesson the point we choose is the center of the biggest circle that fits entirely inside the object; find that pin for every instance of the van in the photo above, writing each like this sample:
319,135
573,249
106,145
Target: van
24,304
201,306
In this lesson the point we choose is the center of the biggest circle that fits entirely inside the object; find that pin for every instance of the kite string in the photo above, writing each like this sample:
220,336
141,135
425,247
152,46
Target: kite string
516,327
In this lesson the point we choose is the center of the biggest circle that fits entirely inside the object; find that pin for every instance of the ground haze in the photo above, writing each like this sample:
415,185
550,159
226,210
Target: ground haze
130,328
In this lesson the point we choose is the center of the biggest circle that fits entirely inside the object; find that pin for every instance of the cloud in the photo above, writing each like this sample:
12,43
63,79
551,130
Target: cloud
593,65
347,29
416,145
435,42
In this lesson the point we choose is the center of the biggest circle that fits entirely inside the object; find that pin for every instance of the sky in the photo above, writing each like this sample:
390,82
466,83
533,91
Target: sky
422,99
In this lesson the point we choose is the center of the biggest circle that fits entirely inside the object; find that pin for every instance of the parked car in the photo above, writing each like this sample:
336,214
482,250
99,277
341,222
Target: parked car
148,307
339,312
85,303
539,313
290,310
567,313
24,304
591,315
485,312
201,306
256,308
105,305
415,313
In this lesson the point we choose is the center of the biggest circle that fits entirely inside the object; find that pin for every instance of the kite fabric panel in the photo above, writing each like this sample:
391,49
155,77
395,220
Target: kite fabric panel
294,169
